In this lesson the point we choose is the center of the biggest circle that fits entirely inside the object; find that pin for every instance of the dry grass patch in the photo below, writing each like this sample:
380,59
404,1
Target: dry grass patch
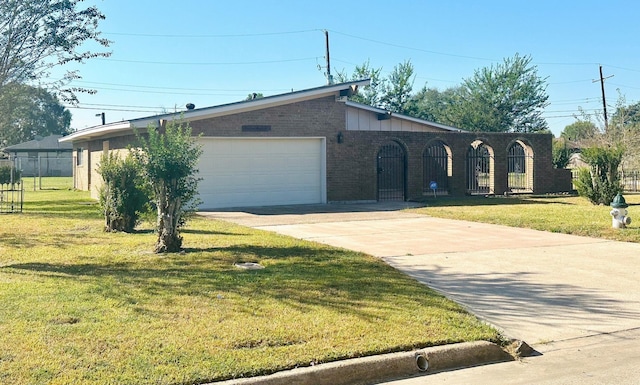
78,305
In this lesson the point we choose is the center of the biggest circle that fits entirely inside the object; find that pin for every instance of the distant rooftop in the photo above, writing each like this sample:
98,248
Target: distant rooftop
49,143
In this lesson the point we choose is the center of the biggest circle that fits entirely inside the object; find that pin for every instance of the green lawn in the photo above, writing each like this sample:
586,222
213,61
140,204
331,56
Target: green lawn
561,214
80,306
47,183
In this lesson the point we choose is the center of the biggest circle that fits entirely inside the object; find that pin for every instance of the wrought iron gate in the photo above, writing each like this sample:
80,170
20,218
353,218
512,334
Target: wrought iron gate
435,168
479,160
518,169
391,165
11,188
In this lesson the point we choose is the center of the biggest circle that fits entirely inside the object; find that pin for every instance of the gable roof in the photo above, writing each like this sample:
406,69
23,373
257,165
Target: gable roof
342,89
339,90
49,143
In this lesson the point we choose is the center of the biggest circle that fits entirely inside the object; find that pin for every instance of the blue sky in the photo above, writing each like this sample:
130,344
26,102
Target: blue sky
169,53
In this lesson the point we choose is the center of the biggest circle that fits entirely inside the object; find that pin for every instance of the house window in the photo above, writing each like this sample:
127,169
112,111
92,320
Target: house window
79,159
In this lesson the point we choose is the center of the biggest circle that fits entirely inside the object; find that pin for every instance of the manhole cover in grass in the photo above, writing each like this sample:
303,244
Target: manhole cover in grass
249,266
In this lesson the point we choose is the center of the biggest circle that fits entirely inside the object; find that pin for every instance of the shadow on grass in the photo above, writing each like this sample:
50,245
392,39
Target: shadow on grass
493,201
210,232
302,278
64,208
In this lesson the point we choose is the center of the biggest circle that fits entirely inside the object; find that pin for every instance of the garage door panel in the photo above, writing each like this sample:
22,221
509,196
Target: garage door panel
239,172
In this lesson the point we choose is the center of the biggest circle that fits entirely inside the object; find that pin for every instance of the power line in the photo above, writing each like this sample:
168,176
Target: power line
206,63
119,105
209,35
283,33
625,86
164,92
110,109
571,81
412,48
183,88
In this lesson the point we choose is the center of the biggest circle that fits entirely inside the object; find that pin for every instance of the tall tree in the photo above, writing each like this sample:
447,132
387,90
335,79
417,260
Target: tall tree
626,115
371,94
507,97
579,130
392,93
432,104
38,35
397,90
26,112
169,160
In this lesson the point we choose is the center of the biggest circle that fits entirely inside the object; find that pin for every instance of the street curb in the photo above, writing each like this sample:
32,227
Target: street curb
375,369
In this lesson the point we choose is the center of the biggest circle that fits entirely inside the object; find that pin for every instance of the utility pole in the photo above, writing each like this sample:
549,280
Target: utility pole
329,77
604,100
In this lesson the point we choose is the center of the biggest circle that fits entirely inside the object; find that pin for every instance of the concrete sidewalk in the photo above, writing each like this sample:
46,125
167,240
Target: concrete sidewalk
534,286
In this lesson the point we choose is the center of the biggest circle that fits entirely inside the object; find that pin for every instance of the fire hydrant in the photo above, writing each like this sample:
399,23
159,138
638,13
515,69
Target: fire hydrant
619,213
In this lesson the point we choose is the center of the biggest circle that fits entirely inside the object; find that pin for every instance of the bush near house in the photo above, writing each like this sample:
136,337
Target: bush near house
124,195
601,181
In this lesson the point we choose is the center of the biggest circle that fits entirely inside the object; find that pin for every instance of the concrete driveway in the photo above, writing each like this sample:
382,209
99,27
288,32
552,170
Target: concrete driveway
535,286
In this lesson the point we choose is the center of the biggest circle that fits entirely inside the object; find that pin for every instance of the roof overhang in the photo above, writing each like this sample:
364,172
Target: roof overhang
339,90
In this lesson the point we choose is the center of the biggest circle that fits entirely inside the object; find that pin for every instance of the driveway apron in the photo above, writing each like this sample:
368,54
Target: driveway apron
535,286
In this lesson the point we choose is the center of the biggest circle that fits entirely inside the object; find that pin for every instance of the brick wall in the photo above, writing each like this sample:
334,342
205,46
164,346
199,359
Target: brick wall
352,164
353,175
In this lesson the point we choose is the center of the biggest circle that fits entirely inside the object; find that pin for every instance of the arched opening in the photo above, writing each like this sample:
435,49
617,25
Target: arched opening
391,166
520,167
480,164
436,168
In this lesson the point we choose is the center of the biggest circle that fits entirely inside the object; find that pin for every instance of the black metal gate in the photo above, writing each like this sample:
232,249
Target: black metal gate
435,168
11,188
518,179
391,164
478,169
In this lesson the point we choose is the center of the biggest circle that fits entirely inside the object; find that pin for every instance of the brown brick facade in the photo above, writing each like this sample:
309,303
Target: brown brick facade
351,166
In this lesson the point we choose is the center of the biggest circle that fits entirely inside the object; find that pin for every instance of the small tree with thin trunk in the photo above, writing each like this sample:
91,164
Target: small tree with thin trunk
169,158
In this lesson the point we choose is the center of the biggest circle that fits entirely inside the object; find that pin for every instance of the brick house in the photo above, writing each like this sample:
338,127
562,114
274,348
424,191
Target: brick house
316,146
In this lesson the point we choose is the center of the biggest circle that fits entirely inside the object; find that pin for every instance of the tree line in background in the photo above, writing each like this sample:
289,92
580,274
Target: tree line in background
35,37
506,97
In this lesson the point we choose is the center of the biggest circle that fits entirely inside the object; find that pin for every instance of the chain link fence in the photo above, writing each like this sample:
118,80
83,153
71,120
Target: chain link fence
630,180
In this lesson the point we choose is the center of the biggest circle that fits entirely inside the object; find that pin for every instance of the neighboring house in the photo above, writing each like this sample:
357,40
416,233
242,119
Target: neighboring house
315,146
575,161
42,156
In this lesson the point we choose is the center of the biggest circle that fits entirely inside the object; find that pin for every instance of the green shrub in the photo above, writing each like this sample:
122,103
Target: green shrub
5,175
601,181
124,196
561,154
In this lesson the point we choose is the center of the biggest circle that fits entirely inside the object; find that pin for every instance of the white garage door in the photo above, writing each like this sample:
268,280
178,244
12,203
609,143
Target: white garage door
241,172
